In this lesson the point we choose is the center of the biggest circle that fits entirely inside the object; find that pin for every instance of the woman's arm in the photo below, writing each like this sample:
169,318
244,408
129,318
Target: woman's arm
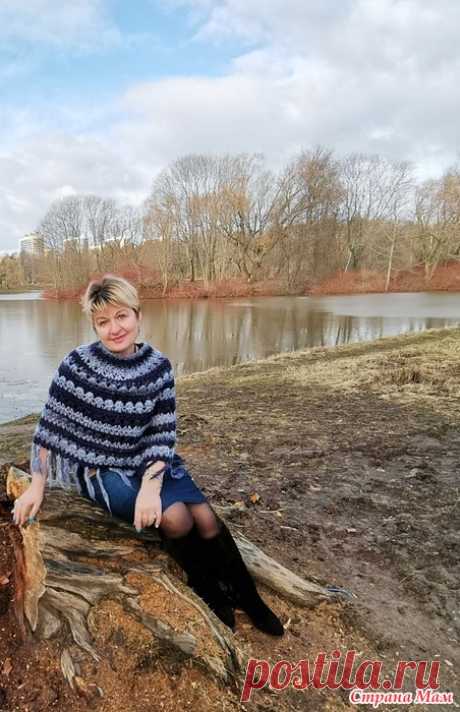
39,468
148,502
27,505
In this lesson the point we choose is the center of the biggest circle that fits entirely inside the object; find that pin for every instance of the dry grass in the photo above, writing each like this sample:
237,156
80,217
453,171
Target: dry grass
445,279
412,368
421,370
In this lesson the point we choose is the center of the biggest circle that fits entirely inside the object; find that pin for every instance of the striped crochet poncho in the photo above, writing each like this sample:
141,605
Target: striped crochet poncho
106,411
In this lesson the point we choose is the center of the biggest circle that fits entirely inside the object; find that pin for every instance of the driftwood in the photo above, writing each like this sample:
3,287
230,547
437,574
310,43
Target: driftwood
76,556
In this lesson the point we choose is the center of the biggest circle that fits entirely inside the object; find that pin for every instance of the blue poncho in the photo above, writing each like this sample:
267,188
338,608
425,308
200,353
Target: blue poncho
106,411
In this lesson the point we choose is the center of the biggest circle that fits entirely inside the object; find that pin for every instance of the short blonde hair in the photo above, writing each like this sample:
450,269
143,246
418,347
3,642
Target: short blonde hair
109,290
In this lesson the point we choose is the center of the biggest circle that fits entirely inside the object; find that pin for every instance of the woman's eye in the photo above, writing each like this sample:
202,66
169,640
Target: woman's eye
122,316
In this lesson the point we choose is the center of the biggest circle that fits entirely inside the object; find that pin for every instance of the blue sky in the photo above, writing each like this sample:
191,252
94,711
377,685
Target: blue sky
140,41
146,40
100,95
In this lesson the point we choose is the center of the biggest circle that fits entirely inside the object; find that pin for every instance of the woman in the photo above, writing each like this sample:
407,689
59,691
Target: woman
108,431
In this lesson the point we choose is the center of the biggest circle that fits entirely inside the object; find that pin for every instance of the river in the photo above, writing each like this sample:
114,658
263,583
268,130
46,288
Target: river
198,334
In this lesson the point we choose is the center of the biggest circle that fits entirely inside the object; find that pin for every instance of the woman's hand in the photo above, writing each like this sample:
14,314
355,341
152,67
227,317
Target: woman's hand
148,506
27,505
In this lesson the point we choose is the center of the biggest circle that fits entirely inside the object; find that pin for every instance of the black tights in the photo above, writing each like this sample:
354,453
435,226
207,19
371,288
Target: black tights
180,517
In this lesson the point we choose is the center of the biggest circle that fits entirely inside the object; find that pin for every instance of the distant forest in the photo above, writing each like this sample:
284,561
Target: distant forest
228,219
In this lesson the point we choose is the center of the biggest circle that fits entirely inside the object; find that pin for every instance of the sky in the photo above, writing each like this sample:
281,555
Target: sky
97,96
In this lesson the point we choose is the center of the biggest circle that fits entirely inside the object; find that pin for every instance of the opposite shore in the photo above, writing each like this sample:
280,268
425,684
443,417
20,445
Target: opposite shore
445,279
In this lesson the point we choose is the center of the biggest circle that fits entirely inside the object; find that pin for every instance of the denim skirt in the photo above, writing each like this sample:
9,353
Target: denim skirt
118,494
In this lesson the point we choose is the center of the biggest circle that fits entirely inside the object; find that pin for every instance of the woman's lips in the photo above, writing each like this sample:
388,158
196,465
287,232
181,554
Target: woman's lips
119,338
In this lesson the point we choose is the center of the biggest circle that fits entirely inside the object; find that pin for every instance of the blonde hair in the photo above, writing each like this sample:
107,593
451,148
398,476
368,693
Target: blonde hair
109,290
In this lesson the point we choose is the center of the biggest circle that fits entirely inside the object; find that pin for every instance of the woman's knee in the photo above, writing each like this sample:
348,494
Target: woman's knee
206,520
176,521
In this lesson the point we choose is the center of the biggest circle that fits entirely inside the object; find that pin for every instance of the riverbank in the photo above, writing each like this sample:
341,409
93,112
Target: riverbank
21,290
199,289
341,463
446,278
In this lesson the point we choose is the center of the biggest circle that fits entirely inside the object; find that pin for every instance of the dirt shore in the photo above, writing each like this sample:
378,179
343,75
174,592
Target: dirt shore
346,463
446,278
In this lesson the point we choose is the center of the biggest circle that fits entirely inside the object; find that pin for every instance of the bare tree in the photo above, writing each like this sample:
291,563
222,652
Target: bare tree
309,204
250,210
11,272
62,222
398,185
126,233
188,206
369,183
61,230
437,219
98,216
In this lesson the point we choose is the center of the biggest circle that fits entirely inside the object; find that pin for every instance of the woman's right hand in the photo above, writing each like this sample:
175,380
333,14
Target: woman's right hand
27,505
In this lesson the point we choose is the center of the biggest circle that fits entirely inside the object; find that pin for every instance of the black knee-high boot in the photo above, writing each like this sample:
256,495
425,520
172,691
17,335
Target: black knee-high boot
226,559
189,553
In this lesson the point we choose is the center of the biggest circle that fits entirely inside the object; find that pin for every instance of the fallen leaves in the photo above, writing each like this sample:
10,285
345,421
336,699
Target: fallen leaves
239,505
7,667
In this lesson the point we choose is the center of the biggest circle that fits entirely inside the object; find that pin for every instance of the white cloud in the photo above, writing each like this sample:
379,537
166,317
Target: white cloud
50,166
367,75
82,24
371,75
379,32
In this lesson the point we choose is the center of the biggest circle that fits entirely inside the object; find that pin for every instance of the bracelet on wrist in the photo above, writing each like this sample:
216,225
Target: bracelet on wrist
149,475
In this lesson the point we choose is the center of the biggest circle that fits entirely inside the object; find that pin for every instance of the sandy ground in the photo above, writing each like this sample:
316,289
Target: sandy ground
346,464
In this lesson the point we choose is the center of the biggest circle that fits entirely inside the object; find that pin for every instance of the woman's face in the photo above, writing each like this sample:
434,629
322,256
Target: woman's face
117,327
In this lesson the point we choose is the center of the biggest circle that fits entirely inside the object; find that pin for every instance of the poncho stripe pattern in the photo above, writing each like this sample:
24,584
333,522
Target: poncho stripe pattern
107,411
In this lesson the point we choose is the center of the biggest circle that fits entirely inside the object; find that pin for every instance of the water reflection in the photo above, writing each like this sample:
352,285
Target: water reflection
196,335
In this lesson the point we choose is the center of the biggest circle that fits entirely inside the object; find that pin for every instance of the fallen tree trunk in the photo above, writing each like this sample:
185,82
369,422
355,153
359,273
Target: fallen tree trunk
77,558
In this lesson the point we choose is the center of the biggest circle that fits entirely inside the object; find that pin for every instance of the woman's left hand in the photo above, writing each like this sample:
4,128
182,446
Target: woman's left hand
148,508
